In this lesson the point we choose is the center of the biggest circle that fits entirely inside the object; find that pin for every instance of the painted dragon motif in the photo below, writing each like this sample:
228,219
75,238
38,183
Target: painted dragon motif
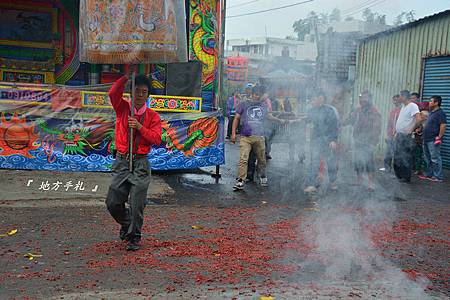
200,134
80,137
203,36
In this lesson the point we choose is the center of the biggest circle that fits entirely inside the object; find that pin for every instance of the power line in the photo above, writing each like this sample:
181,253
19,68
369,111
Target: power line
271,9
356,7
363,8
242,4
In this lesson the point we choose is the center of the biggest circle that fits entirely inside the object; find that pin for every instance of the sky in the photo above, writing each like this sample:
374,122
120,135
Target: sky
279,23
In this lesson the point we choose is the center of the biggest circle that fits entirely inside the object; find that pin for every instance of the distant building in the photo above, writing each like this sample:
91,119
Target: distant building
337,46
337,55
336,60
358,26
267,48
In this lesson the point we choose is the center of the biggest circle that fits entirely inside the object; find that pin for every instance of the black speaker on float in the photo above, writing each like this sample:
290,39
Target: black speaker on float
184,79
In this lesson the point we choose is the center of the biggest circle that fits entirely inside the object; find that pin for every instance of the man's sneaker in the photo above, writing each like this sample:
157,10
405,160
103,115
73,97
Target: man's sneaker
424,177
133,246
263,181
382,169
434,179
310,189
123,233
334,187
239,185
250,178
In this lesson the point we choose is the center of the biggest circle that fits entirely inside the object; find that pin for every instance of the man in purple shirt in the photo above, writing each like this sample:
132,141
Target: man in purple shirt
252,114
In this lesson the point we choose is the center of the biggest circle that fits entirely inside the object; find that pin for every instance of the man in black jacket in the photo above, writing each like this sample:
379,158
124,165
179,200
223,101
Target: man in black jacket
324,142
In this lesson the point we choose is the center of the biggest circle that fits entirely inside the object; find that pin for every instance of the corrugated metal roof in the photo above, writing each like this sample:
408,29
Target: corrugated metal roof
408,25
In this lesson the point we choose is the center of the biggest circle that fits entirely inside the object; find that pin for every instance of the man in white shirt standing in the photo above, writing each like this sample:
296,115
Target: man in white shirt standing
407,121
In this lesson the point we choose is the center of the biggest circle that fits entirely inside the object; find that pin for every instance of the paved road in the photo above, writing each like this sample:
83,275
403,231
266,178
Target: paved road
202,240
20,187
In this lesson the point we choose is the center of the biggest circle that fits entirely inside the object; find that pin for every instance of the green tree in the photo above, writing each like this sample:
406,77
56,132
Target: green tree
399,19
335,15
405,17
373,18
324,19
410,16
381,19
303,27
368,16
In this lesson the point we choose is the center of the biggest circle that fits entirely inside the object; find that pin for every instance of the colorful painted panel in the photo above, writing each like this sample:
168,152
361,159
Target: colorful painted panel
63,98
25,96
70,12
26,76
27,26
158,103
131,32
203,45
175,104
158,79
98,99
44,139
26,56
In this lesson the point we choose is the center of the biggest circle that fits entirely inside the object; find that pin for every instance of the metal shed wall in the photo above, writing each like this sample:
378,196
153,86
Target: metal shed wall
436,81
392,61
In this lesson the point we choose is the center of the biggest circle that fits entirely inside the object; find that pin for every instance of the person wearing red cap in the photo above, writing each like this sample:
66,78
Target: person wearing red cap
131,185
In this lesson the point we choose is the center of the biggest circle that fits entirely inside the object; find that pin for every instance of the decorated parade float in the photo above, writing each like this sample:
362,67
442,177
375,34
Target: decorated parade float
55,112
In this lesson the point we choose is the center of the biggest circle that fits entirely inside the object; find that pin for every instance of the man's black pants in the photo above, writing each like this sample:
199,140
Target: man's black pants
132,187
389,154
403,156
230,126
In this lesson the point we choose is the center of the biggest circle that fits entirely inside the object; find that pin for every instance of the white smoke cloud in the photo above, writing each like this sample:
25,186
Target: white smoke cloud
339,232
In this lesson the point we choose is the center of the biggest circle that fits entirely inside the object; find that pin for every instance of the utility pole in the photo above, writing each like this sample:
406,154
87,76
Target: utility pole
316,39
221,48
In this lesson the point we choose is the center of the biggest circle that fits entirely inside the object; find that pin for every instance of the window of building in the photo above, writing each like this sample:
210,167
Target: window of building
285,51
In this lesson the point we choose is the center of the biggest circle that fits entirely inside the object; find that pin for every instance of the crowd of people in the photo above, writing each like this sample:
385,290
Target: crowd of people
413,139
415,132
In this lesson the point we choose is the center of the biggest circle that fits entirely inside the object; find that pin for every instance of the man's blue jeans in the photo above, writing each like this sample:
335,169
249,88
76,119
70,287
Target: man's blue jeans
433,159
320,150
